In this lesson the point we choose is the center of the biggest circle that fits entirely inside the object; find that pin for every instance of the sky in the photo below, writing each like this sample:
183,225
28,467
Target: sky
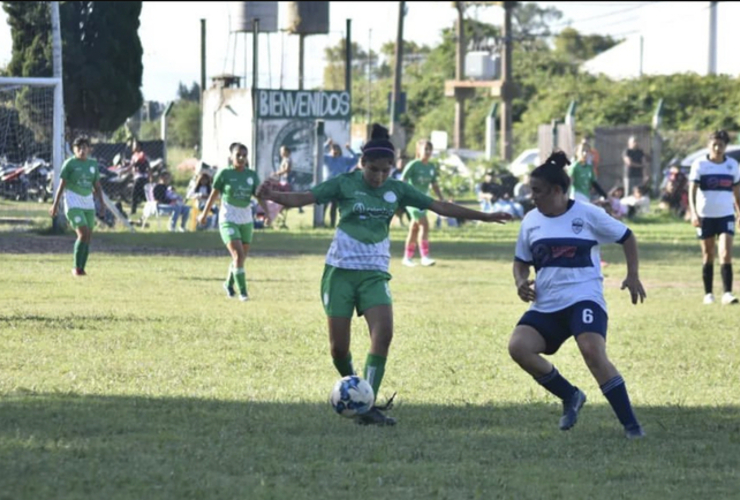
170,35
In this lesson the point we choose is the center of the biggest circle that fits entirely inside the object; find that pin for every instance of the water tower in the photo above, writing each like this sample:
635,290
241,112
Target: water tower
242,20
306,18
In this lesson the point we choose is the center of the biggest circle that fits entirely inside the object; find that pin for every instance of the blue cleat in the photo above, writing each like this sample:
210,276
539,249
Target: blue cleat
571,407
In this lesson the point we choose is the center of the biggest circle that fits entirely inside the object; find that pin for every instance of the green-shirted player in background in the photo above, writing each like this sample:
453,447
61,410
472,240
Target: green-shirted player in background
422,174
236,185
356,270
79,180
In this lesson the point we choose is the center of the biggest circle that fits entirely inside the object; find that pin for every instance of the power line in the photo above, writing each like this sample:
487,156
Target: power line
600,16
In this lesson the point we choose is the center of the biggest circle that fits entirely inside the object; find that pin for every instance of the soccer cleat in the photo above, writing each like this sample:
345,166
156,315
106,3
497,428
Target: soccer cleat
243,297
571,407
230,292
709,299
634,432
374,417
427,261
408,262
728,298
78,272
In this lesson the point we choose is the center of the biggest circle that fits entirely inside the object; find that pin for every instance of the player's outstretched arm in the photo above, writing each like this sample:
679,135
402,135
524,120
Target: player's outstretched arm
448,209
632,281
267,190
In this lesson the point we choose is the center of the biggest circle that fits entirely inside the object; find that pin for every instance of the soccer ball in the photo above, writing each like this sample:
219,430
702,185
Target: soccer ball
352,396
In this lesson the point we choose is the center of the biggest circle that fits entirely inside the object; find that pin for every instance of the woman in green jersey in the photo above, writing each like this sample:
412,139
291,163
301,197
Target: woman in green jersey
422,174
356,272
78,180
236,185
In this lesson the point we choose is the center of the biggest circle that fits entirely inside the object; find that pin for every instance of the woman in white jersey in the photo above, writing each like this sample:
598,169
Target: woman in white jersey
714,195
356,271
79,179
561,239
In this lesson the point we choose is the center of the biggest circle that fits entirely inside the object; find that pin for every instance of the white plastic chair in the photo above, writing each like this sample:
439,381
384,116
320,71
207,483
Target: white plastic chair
151,207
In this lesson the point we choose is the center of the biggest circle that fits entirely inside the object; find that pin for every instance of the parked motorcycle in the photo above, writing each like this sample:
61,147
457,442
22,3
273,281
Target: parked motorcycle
13,181
39,173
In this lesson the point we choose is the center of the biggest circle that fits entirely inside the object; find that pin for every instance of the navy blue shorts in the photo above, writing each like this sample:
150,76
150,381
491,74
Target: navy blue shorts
557,327
714,226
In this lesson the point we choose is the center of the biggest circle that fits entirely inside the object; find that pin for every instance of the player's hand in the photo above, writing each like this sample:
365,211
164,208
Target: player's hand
525,290
695,221
498,217
635,287
202,218
53,211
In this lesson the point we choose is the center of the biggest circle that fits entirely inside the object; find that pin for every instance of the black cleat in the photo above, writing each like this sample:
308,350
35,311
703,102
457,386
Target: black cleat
634,432
571,407
230,292
374,417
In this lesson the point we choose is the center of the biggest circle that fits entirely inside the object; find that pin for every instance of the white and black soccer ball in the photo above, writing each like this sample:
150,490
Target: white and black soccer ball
352,396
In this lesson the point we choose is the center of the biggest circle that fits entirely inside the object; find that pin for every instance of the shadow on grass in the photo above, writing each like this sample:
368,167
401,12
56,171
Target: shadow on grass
72,446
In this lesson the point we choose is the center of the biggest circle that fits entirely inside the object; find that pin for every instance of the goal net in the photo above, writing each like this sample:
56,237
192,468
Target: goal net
32,151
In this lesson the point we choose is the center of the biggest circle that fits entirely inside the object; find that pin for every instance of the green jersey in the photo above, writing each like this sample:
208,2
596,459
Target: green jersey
236,188
420,175
80,176
361,240
582,176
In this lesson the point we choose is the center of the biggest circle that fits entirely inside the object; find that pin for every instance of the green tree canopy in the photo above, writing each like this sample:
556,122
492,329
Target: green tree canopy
102,68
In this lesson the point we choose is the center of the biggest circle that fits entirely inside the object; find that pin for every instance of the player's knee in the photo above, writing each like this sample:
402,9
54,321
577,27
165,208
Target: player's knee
518,349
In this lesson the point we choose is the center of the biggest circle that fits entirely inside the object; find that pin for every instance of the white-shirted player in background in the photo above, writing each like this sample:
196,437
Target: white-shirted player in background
561,239
714,197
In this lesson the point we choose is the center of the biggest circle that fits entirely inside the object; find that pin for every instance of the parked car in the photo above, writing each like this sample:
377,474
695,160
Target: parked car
733,151
522,164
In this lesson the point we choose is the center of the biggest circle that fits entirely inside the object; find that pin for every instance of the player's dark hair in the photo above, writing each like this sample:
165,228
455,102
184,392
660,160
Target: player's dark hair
553,172
379,145
720,135
235,146
80,140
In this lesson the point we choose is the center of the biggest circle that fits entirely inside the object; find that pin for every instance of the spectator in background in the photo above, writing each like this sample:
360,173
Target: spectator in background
582,176
614,203
594,158
142,174
488,192
336,164
638,203
199,191
674,191
168,201
635,163
523,193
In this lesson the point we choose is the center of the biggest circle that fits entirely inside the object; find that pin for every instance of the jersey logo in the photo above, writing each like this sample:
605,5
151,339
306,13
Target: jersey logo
390,197
577,225
92,170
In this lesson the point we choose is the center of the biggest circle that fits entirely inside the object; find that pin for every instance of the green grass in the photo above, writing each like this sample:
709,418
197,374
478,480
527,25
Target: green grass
143,381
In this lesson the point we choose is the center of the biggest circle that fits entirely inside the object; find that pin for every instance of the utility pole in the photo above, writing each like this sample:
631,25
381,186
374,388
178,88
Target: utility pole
459,137
398,73
712,38
508,90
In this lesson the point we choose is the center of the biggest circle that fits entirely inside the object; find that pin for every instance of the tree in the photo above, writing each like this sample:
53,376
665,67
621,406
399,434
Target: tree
191,94
101,57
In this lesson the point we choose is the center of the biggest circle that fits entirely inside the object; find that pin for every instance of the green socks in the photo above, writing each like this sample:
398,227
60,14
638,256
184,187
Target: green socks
344,366
82,250
241,280
230,277
374,371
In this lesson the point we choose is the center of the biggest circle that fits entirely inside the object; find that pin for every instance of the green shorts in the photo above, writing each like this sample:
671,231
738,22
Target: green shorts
231,231
415,214
344,290
80,217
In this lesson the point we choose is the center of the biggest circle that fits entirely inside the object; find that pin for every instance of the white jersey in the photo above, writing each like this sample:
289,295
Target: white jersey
565,253
715,198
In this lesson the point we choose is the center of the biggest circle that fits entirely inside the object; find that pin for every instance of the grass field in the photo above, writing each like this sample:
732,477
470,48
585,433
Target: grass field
143,380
